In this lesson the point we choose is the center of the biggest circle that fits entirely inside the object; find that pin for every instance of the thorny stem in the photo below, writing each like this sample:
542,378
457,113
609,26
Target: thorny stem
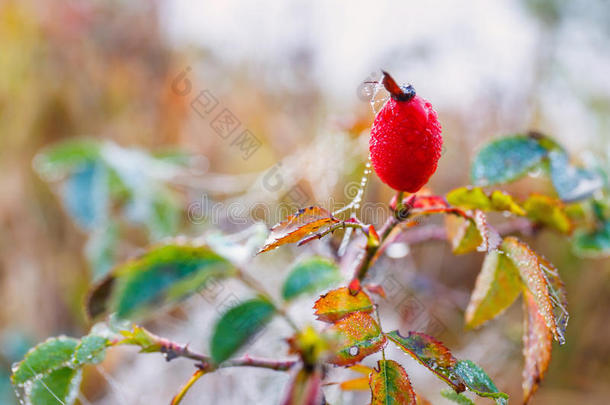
401,213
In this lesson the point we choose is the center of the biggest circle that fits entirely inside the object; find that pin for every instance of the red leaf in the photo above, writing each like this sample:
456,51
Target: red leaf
537,344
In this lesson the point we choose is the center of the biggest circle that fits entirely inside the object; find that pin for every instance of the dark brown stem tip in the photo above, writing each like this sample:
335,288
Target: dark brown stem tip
398,93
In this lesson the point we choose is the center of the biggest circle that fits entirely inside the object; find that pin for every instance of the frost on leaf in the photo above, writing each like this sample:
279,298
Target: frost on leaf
491,239
537,344
498,285
47,356
558,295
477,380
506,159
90,350
468,233
51,371
390,384
336,304
358,335
572,183
431,353
543,281
305,388
59,386
297,226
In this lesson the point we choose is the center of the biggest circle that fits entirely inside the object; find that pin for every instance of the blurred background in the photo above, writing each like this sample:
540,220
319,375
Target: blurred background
221,115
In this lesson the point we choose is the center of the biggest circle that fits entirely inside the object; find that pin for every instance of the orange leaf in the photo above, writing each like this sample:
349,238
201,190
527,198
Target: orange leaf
537,344
297,226
537,273
336,304
358,335
390,385
356,384
420,400
361,369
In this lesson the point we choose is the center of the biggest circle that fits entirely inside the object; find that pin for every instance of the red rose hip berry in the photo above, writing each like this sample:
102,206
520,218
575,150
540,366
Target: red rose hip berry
406,139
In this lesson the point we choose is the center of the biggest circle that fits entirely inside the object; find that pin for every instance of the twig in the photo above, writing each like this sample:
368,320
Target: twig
172,350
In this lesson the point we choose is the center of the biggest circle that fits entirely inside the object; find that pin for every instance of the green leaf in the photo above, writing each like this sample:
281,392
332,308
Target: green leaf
501,201
469,198
548,211
572,183
101,248
359,335
429,352
164,215
58,387
90,350
309,276
340,302
456,397
148,342
498,285
237,326
477,380
506,159
85,195
164,274
595,244
64,157
390,385
47,356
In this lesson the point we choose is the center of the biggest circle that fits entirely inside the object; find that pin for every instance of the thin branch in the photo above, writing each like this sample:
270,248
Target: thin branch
172,350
